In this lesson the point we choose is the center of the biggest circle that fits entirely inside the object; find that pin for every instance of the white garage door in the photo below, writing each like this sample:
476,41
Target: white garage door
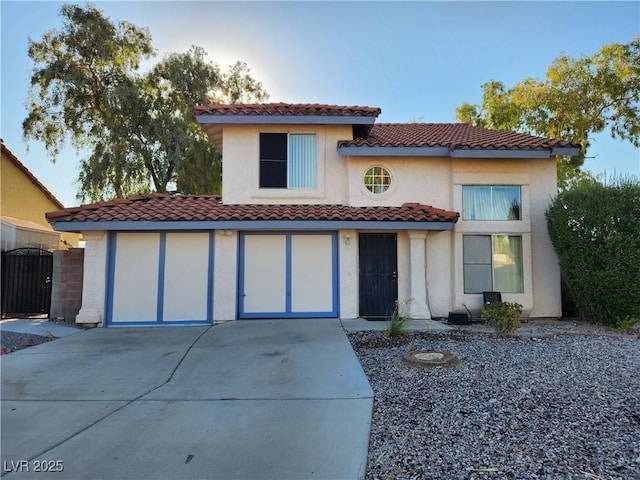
160,278
288,275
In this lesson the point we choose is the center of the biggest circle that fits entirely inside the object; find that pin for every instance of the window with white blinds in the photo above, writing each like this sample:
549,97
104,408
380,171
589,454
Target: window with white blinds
288,160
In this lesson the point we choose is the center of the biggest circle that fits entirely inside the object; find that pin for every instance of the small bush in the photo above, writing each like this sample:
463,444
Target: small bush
627,323
396,324
503,316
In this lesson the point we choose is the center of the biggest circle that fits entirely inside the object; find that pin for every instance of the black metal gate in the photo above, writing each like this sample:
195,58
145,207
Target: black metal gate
26,281
378,274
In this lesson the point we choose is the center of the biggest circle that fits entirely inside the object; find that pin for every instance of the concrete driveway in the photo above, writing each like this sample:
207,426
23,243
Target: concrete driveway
260,399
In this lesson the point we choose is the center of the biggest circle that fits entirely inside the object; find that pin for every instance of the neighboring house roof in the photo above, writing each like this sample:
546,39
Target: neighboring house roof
31,176
145,211
452,139
26,224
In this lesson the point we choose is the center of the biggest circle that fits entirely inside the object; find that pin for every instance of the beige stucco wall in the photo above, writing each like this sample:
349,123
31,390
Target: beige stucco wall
95,279
541,297
545,267
440,260
414,179
438,182
240,166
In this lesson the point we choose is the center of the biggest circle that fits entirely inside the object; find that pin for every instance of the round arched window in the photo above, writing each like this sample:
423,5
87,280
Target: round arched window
377,179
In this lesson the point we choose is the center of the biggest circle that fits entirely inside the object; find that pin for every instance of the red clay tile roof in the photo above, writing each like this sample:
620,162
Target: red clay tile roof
297,109
452,135
167,208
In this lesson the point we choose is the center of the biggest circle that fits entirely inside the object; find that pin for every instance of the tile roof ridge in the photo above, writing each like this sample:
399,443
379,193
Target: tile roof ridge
283,108
284,104
62,213
116,201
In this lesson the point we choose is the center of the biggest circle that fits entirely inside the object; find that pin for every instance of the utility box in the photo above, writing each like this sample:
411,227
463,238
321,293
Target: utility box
459,317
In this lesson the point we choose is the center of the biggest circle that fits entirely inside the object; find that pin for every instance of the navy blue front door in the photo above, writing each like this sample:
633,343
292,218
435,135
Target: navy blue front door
378,274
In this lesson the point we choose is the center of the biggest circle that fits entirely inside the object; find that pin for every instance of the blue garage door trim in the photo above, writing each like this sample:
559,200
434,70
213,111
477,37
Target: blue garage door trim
288,313
112,244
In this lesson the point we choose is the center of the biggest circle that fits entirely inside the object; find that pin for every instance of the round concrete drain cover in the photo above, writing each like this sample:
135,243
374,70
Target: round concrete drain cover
427,358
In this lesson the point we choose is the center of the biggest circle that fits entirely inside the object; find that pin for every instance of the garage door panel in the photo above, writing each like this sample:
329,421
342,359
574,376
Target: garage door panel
311,273
264,273
288,275
186,274
157,278
135,280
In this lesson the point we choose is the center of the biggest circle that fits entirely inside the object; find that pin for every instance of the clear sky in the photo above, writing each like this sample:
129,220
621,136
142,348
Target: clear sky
414,60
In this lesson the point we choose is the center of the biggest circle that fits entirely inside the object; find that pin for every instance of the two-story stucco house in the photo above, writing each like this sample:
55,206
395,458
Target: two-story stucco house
325,213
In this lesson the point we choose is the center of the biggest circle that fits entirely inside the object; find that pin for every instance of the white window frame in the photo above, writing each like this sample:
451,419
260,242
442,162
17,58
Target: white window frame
465,208
385,173
491,237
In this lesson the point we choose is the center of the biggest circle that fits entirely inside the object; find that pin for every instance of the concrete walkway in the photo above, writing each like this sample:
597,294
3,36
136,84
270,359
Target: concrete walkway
263,399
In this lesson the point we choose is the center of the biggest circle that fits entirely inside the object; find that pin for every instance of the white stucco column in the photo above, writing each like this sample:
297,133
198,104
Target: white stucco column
348,272
94,275
418,304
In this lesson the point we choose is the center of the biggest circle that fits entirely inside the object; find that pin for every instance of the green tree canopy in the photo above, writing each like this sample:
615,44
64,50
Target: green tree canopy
577,98
87,88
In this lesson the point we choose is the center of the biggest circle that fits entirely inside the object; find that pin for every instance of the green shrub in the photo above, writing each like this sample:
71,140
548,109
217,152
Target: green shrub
396,324
503,316
595,229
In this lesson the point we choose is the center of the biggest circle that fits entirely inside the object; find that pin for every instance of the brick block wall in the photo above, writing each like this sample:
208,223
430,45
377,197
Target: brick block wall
66,290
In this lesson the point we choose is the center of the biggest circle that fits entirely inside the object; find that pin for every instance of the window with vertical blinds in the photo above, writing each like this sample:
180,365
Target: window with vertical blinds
302,161
288,160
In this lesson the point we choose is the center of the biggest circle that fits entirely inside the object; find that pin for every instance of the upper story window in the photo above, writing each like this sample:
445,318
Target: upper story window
491,202
377,179
288,160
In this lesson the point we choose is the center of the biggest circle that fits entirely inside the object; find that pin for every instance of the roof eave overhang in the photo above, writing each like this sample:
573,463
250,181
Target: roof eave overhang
285,119
566,151
388,151
123,226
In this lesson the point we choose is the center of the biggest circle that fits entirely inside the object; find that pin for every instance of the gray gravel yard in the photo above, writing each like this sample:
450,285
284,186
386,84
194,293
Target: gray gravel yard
565,407
11,341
